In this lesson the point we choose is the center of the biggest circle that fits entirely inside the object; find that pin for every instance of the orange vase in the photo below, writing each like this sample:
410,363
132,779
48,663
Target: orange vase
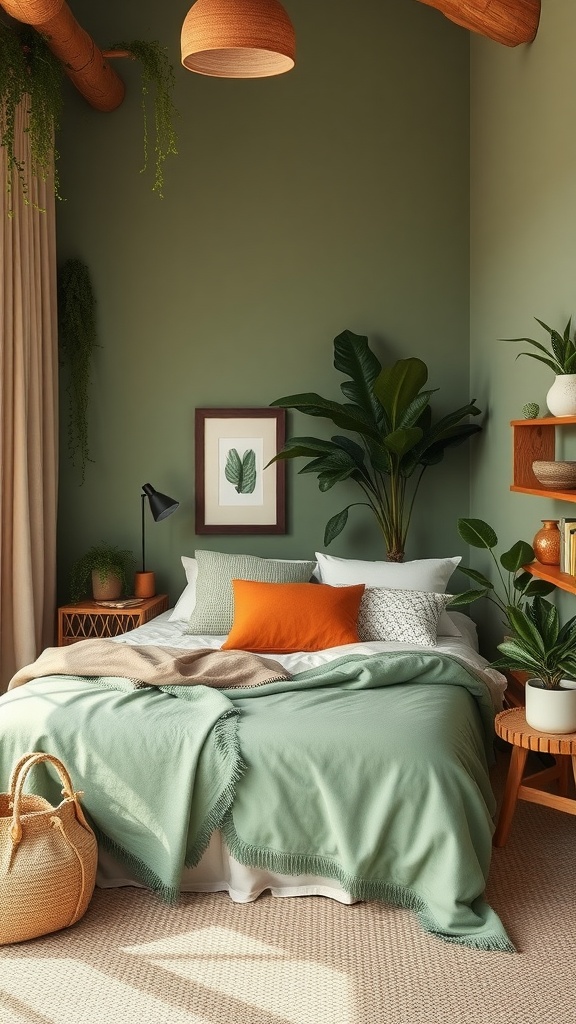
546,543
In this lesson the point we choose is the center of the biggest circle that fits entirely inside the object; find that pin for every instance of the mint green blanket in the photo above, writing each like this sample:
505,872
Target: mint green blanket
369,770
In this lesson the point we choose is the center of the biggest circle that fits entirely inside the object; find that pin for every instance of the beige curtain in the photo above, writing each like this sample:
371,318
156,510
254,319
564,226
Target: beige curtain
28,421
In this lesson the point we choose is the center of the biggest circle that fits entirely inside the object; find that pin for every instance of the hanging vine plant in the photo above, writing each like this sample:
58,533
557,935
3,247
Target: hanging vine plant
29,69
77,340
30,72
158,75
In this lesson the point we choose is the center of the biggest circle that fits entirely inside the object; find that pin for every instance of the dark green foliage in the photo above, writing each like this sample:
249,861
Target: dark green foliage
77,340
562,358
539,644
517,588
105,559
157,74
29,69
389,412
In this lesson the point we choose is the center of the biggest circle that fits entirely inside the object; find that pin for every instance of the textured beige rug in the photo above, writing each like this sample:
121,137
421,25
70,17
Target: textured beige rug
310,961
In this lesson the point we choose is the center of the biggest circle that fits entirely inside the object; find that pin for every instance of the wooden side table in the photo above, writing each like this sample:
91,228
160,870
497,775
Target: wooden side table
511,726
86,619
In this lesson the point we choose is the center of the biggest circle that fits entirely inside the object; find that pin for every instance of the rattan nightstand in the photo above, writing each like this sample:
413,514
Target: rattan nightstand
86,619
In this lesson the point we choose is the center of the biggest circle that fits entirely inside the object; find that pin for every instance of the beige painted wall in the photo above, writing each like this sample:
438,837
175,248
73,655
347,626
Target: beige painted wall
523,251
332,197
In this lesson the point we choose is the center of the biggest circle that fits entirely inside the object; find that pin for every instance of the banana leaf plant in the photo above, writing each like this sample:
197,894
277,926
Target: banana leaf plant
539,645
396,439
514,590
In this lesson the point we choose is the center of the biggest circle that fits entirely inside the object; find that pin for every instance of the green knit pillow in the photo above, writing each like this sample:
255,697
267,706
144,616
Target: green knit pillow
214,610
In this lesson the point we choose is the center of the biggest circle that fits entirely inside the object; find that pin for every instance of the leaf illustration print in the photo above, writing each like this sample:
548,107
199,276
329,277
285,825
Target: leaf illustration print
241,472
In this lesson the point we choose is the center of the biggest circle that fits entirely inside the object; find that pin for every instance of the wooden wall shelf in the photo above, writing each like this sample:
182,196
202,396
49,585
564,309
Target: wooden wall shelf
536,439
552,574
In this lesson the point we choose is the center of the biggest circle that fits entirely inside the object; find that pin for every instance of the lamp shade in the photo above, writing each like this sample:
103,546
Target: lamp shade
161,506
238,38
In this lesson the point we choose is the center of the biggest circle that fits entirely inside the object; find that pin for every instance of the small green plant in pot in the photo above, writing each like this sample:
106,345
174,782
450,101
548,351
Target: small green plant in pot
540,646
534,642
561,358
104,570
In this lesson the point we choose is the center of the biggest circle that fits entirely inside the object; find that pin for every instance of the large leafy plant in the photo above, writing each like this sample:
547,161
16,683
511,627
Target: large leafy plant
561,357
388,411
539,645
514,586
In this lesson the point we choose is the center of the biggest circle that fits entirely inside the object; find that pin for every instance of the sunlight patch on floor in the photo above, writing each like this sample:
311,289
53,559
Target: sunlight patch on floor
95,995
257,973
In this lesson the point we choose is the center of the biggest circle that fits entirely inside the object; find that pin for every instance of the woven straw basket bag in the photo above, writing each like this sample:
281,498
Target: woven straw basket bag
48,857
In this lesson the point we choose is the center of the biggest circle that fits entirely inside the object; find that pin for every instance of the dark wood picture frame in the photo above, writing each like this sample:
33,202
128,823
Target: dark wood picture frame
263,510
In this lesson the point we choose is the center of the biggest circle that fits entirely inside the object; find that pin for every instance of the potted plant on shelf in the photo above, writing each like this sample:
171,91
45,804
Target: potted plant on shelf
561,358
105,569
388,410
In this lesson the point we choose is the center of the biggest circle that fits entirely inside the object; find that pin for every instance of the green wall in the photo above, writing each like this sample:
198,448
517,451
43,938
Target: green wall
333,197
523,227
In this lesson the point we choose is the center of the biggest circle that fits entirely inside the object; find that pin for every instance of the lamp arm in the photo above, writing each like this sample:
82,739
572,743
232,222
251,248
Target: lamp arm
143,496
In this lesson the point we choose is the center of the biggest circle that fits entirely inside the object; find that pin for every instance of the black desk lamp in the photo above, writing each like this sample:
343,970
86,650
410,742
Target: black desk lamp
161,506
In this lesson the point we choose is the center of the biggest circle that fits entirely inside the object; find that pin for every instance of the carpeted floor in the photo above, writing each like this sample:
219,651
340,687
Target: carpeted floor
133,960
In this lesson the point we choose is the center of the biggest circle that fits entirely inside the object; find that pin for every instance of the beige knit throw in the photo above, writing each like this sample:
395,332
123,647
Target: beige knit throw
154,666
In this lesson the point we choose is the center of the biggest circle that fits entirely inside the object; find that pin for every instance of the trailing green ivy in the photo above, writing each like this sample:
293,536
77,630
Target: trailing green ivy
158,73
77,340
29,70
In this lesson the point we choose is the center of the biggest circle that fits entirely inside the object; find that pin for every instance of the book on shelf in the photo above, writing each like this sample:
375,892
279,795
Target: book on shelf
565,525
572,551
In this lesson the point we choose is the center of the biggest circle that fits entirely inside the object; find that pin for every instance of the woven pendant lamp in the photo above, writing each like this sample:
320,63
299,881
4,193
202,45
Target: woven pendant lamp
238,38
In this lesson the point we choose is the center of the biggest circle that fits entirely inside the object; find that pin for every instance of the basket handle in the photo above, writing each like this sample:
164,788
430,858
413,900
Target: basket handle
17,783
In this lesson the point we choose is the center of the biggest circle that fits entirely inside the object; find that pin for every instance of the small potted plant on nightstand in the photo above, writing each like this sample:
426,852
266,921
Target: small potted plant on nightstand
535,642
540,646
105,568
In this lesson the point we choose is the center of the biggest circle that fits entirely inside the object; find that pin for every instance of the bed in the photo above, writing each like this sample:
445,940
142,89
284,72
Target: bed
364,775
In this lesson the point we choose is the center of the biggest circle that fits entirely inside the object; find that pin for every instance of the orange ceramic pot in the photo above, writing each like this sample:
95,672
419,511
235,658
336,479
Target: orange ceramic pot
144,584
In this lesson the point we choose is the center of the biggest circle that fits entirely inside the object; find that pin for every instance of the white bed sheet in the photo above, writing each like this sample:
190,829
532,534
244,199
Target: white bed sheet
218,871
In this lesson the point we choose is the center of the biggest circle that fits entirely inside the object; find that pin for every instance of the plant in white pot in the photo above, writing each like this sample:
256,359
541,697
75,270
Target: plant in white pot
541,646
560,357
535,642
104,569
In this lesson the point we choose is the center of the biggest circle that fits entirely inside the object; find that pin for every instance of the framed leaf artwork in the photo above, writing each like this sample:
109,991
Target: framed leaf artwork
236,490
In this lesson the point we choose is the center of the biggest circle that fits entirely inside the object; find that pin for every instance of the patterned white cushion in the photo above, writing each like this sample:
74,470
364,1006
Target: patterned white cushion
214,609
400,616
427,574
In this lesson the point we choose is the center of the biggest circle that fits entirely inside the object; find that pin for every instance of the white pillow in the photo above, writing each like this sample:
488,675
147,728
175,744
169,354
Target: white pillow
429,575
465,625
186,603
400,616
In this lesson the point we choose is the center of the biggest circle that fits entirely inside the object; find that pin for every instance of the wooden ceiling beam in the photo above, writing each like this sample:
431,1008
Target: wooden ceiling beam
505,21
83,62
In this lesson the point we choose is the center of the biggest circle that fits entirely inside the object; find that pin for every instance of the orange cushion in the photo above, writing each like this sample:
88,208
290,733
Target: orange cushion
285,617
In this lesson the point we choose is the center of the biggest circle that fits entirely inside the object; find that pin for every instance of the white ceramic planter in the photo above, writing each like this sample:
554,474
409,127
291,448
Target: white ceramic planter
551,710
561,398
